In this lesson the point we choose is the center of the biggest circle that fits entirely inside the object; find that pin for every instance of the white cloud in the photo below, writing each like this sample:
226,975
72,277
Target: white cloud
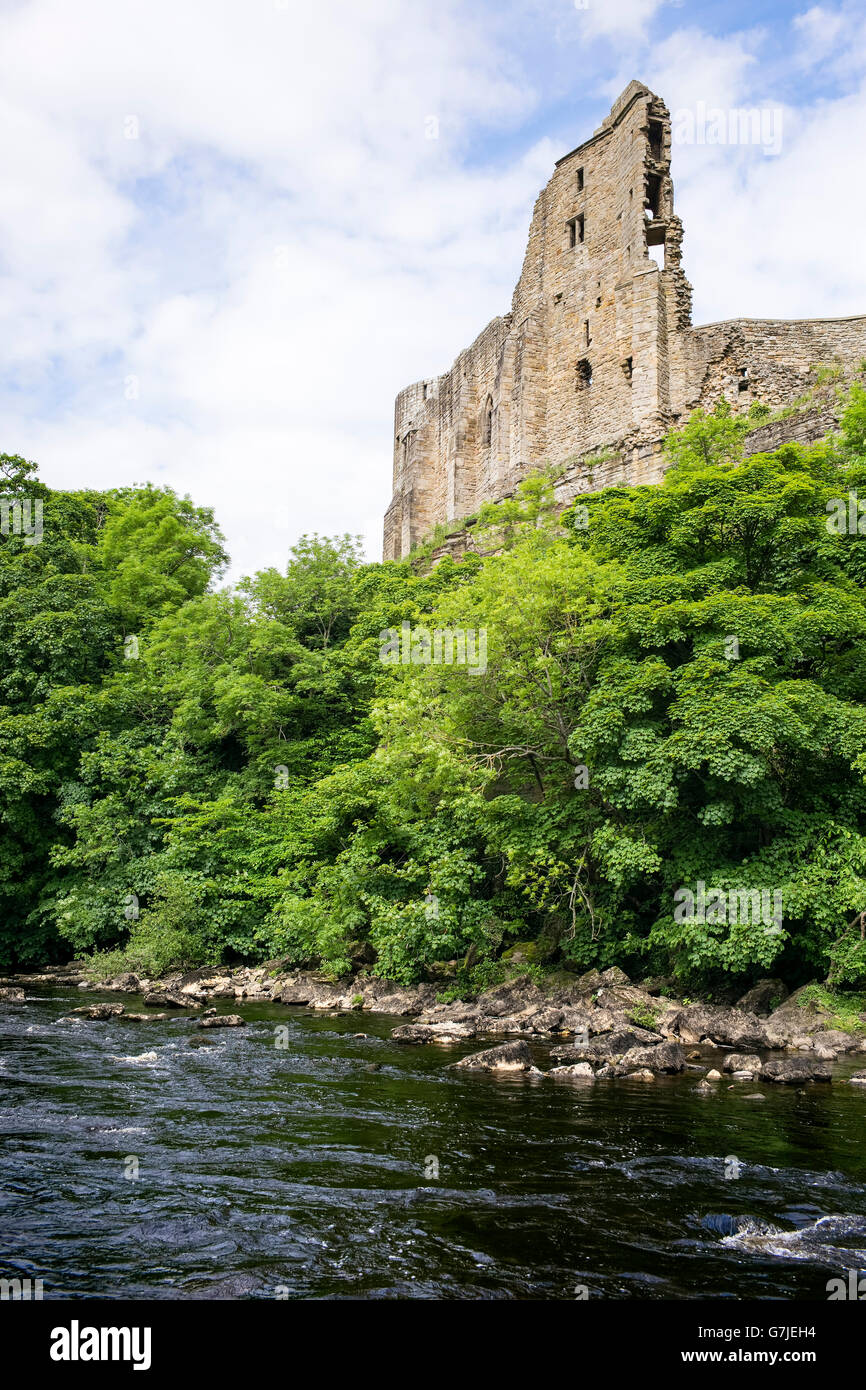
278,251
282,248
618,19
767,236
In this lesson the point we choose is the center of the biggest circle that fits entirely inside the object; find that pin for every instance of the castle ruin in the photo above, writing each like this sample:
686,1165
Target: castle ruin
598,357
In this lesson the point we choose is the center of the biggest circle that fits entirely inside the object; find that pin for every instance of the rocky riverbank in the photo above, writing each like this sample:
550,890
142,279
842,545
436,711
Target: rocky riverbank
596,1027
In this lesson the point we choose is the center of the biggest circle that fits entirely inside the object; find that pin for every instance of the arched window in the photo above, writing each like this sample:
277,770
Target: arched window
487,433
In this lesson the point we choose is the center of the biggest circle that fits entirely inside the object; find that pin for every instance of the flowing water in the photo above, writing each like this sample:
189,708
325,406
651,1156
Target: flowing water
292,1159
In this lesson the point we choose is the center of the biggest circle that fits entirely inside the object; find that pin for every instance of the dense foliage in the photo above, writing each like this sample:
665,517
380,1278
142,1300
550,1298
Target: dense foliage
674,694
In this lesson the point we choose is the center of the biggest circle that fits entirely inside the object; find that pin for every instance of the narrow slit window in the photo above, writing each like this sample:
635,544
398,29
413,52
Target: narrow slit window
580,180
653,196
586,335
628,369
488,421
656,139
584,374
575,230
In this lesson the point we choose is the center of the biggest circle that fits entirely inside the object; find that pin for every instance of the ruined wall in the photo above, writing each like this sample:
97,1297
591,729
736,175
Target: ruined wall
598,355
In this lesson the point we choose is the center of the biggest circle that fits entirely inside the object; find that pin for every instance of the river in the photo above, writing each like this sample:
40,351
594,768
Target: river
292,1159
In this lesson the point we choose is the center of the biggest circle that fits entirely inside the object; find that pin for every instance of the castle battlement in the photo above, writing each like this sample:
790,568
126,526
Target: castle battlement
598,355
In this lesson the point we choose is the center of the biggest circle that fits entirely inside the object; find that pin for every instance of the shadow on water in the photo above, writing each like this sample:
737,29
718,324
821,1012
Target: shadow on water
160,1160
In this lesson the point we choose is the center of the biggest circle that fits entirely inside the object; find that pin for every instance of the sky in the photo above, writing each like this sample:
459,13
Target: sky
232,230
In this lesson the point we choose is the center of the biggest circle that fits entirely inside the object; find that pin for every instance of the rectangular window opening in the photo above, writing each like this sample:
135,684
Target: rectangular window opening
656,139
575,230
653,200
580,180
655,241
584,373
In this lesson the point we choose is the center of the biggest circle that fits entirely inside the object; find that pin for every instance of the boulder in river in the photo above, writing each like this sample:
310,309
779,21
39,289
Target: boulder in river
801,1015
743,1062
607,1045
161,999
663,1057
432,1033
223,1021
832,1042
794,1071
729,1027
580,1071
510,1056
9,995
127,983
99,1011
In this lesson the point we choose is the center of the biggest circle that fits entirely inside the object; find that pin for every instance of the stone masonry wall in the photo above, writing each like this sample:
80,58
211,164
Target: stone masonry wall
597,358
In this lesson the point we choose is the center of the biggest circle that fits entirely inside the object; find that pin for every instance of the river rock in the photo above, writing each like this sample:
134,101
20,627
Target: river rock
142,1018
794,1071
721,1025
433,1033
161,999
511,998
580,1071
643,1075
606,1045
510,1056
99,1011
743,1062
387,997
626,999
127,983
314,994
799,1016
714,1075
833,1042
581,1020
763,997
858,1078
664,1057
9,995
223,1021
45,977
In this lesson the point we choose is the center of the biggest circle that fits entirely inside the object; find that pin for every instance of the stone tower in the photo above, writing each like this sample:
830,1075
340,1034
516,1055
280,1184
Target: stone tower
597,358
